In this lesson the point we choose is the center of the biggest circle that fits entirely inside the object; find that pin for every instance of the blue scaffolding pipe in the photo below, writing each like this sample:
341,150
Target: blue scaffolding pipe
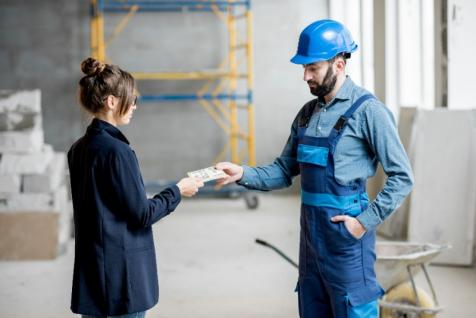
190,97
169,6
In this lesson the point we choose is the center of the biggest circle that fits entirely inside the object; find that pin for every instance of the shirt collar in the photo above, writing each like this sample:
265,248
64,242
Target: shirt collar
98,125
344,92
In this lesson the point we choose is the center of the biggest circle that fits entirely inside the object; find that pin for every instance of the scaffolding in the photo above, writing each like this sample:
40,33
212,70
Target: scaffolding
220,95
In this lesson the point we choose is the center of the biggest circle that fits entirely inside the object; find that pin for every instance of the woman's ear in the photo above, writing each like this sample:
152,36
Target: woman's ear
111,102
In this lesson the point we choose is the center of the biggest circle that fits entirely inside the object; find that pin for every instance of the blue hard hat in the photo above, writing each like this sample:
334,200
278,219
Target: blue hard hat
322,40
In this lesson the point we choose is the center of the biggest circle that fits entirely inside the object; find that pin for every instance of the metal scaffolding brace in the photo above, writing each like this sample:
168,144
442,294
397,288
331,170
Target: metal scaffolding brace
219,95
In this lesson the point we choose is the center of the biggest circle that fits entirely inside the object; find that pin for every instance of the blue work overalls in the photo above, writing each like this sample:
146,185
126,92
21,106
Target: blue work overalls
336,270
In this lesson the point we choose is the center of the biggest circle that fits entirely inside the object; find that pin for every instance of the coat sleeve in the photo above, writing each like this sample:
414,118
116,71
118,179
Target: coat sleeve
129,192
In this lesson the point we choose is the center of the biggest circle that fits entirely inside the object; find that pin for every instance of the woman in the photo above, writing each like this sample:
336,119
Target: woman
115,272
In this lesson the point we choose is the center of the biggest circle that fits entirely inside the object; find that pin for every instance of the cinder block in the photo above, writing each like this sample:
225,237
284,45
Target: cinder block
31,163
20,100
65,227
50,180
29,235
19,121
33,202
26,141
20,110
10,183
60,196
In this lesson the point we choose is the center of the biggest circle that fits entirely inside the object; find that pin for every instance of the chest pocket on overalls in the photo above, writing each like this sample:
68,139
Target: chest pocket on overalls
313,155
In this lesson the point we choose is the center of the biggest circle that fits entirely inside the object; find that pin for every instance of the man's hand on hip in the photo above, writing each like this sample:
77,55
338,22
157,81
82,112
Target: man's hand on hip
352,224
234,173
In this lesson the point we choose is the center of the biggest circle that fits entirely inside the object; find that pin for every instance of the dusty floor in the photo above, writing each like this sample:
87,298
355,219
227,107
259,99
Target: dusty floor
209,266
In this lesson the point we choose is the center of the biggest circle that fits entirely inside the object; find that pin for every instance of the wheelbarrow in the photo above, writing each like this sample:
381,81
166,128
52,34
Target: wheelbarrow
396,267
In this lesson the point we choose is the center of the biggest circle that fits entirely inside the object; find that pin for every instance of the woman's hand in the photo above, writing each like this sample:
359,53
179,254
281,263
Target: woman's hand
189,186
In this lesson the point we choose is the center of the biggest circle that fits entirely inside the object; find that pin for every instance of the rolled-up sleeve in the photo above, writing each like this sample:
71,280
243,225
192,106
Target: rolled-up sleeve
381,133
128,189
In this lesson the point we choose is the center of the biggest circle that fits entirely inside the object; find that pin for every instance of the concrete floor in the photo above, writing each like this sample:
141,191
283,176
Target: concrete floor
209,266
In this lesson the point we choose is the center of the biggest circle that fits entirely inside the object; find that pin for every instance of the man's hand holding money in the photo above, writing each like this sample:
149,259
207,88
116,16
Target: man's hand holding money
233,173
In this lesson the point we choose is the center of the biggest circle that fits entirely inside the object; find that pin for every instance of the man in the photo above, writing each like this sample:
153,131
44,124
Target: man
335,145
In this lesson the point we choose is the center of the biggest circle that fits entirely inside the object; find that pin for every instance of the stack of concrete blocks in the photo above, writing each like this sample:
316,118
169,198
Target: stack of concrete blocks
35,212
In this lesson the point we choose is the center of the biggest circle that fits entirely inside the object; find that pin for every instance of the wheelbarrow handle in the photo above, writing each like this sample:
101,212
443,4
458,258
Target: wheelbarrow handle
287,258
260,241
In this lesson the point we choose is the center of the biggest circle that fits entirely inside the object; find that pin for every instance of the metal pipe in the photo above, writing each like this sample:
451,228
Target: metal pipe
412,281
198,75
190,97
423,267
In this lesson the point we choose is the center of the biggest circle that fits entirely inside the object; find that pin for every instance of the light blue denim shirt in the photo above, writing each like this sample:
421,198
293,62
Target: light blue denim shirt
369,137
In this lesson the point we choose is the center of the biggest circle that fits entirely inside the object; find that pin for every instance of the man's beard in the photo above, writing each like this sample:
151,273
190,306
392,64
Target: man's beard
328,84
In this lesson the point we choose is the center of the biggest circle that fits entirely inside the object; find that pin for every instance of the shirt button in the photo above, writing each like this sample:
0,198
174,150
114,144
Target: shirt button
324,110
319,128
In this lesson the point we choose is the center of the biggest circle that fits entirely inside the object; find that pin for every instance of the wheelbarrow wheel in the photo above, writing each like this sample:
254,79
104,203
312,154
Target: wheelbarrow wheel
404,294
251,201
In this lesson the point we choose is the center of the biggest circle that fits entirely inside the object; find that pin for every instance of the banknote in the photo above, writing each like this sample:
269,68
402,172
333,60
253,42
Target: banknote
207,174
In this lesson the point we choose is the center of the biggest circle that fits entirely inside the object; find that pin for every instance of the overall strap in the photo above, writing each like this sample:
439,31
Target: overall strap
306,113
336,132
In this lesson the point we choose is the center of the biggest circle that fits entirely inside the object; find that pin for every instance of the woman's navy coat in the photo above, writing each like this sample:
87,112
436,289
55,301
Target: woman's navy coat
115,270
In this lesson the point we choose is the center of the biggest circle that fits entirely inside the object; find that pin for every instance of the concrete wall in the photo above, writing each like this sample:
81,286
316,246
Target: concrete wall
41,44
47,40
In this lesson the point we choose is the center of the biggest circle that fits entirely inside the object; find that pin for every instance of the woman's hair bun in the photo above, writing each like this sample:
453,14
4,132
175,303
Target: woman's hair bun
91,66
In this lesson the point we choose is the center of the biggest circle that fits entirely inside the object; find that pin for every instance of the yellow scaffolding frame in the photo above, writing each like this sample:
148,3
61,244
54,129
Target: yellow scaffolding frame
218,94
